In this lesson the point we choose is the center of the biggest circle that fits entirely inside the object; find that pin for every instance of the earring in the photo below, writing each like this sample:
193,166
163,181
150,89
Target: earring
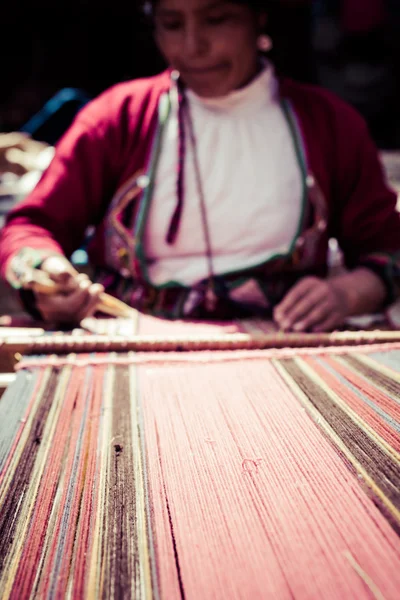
264,43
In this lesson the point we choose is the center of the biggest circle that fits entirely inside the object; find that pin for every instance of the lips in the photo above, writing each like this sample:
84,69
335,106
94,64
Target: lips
195,71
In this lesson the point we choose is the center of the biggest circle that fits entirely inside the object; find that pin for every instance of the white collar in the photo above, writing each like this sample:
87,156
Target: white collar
259,93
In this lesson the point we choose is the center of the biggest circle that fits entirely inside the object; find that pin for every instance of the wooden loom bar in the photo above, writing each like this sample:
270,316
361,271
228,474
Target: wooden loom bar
63,344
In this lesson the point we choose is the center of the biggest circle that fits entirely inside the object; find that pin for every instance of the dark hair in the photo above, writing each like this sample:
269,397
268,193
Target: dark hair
257,5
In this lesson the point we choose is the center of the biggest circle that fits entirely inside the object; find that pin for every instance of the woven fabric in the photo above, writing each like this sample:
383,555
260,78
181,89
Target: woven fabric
203,475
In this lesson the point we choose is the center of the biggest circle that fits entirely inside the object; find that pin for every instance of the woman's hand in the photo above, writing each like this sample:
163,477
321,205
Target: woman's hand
76,297
312,305
18,153
323,305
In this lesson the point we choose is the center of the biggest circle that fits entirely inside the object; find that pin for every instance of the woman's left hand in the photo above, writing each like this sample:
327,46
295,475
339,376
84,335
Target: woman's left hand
313,305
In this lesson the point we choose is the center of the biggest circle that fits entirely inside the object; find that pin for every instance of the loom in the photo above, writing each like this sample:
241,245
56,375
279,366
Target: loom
150,459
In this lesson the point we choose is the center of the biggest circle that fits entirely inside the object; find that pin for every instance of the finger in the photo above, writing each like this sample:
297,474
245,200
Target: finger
298,302
6,166
33,147
12,140
318,314
17,157
63,273
294,295
331,323
70,285
96,289
71,308
300,310
64,306
77,298
58,267
74,283
92,303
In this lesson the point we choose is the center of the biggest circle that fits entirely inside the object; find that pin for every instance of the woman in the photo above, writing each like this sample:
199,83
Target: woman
213,189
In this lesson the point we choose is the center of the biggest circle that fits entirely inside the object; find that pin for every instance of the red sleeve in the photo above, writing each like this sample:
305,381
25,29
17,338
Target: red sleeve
70,196
366,218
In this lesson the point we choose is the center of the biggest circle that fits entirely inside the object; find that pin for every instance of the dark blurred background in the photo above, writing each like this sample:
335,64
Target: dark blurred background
349,46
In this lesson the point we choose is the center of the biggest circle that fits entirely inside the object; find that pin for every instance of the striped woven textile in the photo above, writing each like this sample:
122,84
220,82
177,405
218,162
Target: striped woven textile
272,474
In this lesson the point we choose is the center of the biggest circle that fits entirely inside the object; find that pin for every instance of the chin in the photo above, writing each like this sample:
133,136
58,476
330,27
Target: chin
205,90
211,84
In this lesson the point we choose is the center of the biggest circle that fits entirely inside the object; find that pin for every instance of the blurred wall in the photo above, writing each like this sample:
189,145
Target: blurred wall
349,46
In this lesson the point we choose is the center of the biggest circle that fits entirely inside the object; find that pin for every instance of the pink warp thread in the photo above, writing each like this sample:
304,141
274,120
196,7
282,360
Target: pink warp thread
292,521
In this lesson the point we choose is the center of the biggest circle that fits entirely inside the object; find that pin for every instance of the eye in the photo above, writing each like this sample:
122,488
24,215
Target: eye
171,25
217,19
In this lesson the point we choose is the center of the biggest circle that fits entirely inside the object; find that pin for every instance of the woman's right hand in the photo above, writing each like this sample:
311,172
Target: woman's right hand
76,298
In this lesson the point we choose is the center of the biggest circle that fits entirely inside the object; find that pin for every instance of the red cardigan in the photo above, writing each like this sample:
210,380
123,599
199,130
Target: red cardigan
110,140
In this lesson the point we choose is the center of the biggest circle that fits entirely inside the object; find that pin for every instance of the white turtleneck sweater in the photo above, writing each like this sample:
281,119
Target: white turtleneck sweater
251,181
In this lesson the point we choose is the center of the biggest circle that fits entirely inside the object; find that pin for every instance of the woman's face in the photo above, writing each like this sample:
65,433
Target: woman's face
212,43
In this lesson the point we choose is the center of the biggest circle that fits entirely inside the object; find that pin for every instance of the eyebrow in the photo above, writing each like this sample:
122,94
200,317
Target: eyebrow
165,12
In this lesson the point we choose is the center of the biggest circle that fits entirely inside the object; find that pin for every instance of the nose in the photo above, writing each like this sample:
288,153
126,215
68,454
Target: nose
195,43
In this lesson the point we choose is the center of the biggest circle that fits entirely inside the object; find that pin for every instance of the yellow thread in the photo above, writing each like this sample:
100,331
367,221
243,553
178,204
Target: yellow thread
321,421
370,362
141,520
371,433
394,454
95,585
373,588
23,439
31,493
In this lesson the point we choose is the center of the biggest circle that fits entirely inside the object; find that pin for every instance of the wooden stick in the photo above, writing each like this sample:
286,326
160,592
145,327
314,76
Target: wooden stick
65,344
40,282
